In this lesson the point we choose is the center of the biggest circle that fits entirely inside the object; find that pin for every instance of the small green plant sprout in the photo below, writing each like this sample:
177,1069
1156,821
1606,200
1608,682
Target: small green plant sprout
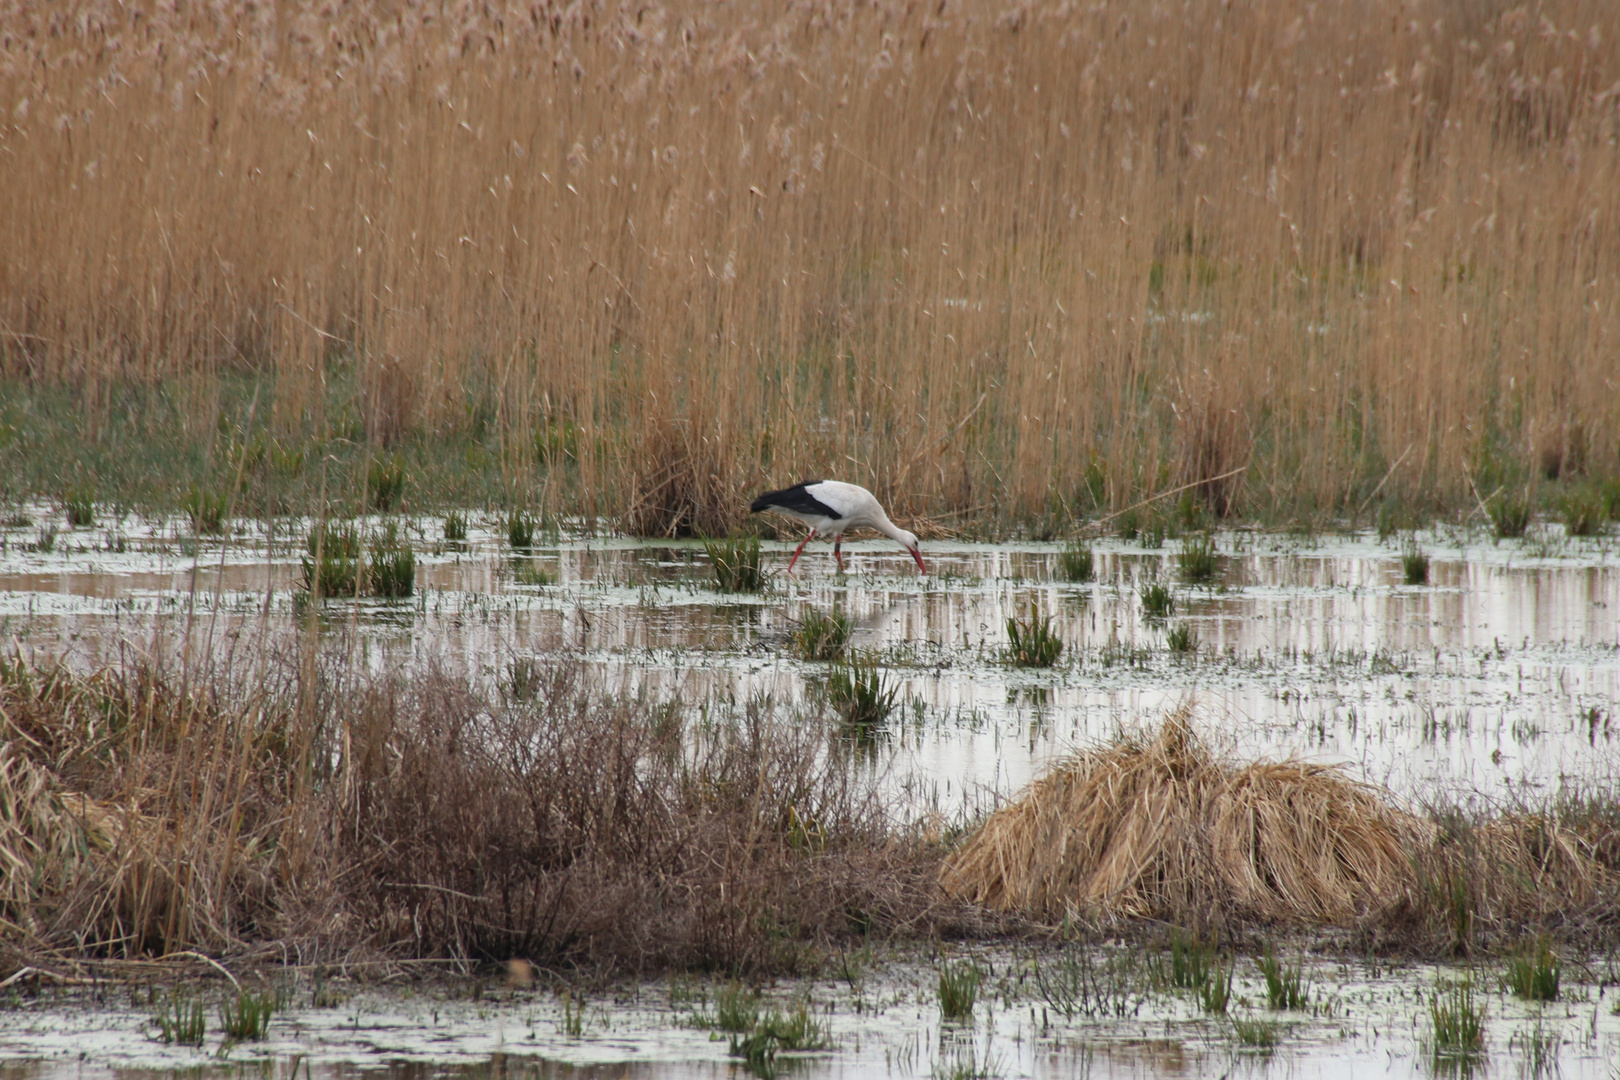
1285,986
385,482
393,565
1032,642
181,1020
1191,962
1076,561
1584,511
1538,1050
861,694
1157,601
736,564
964,1063
958,990
525,571
793,1031
736,1008
1415,565
455,527
334,562
1216,992
79,503
1533,973
247,1019
1181,639
206,509
1457,1024
1261,1035
1196,560
573,1013
520,530
1509,517
821,635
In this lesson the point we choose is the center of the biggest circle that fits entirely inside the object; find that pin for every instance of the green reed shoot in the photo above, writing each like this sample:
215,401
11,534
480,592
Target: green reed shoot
1457,1023
333,567
1032,642
206,509
1181,639
393,565
1285,986
736,564
1509,517
1257,1034
959,989
455,527
1533,974
1216,991
1197,561
80,505
248,1017
1157,601
861,694
1584,512
520,529
821,635
1415,565
385,482
1076,562
181,1020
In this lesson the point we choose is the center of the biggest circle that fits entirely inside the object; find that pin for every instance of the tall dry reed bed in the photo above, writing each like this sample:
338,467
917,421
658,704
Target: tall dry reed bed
993,261
290,810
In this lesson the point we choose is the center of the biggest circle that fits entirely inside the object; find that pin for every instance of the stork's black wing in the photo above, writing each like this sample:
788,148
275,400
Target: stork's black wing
794,500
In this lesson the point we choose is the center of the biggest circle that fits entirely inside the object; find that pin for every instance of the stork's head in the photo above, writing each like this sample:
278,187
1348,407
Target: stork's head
908,540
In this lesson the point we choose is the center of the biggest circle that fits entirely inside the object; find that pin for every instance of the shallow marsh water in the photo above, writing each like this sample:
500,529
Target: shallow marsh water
1497,681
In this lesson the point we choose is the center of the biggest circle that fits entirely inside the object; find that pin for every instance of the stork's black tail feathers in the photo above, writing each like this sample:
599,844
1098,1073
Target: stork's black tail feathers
794,500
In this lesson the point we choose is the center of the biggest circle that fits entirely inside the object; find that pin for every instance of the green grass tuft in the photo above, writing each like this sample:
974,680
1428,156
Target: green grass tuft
861,694
1257,1034
1157,601
1415,566
820,635
1509,517
1584,511
248,1017
1076,562
1032,642
334,563
385,482
736,564
79,503
520,530
1285,986
958,990
206,509
1533,974
1457,1023
1181,639
455,527
392,572
181,1020
1197,561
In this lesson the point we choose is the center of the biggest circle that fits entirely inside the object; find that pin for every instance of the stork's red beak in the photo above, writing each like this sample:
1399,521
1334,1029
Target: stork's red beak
915,554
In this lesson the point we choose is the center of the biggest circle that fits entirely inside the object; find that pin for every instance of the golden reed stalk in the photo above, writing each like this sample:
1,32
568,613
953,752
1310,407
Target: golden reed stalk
957,252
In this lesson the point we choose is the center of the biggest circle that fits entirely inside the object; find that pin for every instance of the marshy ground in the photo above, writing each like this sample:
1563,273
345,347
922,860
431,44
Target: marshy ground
1487,692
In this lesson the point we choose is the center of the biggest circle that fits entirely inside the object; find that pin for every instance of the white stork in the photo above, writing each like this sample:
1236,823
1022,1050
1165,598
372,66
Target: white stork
831,506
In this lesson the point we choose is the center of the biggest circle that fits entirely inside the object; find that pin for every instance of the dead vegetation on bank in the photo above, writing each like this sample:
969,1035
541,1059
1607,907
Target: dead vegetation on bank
1159,828
315,814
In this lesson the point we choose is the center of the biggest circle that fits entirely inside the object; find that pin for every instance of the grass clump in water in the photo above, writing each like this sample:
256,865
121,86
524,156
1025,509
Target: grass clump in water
1415,565
1032,642
821,635
80,506
1181,639
206,509
736,564
181,1020
773,1032
385,482
1196,560
1216,991
393,565
1457,1024
1157,601
860,693
1261,1035
1533,974
333,565
1509,517
455,527
1584,511
520,529
247,1019
958,990
1077,562
1285,986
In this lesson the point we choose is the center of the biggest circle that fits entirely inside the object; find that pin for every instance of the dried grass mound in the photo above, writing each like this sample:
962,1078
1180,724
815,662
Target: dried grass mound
680,485
1162,829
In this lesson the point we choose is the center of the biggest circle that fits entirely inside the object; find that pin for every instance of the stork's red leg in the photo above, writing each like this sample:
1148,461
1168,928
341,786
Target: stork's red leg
838,552
798,549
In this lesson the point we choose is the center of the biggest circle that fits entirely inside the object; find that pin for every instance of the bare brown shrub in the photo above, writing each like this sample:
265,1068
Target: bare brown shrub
144,811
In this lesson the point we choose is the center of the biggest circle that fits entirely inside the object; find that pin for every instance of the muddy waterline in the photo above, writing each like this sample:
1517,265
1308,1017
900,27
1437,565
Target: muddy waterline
1497,681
